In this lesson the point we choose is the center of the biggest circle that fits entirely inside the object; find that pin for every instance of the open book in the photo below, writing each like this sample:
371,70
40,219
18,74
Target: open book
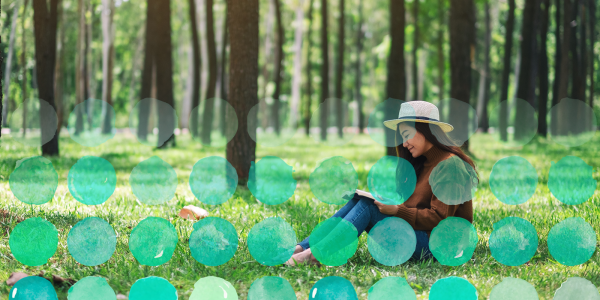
350,195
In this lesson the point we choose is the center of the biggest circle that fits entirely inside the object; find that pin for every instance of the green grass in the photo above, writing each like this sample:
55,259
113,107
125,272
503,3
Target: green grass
303,211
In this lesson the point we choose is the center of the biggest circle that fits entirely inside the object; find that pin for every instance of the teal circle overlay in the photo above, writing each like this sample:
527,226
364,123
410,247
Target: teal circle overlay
33,241
32,288
213,180
334,181
34,180
334,241
513,180
92,241
571,180
453,181
271,288
392,241
213,242
213,288
270,180
153,181
153,241
391,288
452,288
513,241
152,288
572,241
92,180
509,287
577,288
272,241
392,180
91,288
92,129
333,288
453,241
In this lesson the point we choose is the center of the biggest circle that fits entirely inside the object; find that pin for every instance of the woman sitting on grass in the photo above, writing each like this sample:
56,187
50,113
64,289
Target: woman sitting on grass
425,145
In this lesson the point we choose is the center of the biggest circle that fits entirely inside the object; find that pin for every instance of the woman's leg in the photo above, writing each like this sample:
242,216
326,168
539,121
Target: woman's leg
422,251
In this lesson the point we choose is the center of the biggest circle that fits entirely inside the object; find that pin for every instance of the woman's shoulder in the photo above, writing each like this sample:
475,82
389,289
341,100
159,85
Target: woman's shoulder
453,165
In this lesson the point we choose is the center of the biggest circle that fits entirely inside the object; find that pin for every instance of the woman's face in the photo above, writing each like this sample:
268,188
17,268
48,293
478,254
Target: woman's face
414,141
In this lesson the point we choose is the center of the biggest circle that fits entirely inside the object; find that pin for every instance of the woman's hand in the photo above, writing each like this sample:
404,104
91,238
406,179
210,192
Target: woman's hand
387,209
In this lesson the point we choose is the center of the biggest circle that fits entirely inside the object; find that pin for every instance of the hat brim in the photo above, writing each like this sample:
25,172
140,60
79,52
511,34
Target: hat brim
391,124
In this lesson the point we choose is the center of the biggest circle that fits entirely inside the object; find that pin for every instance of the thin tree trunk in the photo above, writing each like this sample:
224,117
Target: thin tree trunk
358,69
58,77
564,67
80,66
164,72
11,47
340,71
297,78
396,73
196,65
24,69
462,47
224,79
278,69
484,87
265,69
593,57
543,78
307,112
148,70
415,51
136,65
45,24
557,65
209,102
582,83
508,45
324,111
243,72
108,8
441,64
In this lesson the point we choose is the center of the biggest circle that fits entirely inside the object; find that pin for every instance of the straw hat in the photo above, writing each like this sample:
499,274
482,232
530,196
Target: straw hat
418,111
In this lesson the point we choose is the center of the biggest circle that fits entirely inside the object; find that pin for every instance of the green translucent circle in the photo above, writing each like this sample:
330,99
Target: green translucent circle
453,241
153,181
32,288
91,288
392,241
271,288
93,115
577,288
213,288
453,181
332,179
513,241
572,241
333,288
513,180
33,241
509,287
270,180
272,241
34,180
571,180
451,288
213,180
92,241
391,288
153,241
152,288
333,241
392,180
213,242
92,180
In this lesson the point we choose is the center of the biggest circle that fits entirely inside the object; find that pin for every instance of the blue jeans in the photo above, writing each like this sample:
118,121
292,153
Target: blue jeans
364,214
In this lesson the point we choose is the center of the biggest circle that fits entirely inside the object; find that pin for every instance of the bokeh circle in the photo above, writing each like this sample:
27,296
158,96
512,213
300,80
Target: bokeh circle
213,288
213,180
271,288
92,241
213,242
333,179
392,180
40,122
91,288
152,288
272,241
391,288
392,241
153,181
153,241
509,287
513,241
513,180
33,241
270,180
34,180
452,288
571,180
92,123
92,180
453,241
572,241
332,288
333,241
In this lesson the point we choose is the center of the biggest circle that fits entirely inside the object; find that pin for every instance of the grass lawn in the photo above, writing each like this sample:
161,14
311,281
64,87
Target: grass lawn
303,211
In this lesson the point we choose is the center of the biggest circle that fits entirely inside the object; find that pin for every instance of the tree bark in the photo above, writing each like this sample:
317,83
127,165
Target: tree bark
297,77
278,69
108,50
543,72
485,80
80,69
415,52
339,117
243,17
164,72
508,45
11,47
58,76
223,79
307,112
462,48
593,33
209,102
564,67
324,111
45,24
396,76
441,63
358,69
196,65
557,65
148,69
24,69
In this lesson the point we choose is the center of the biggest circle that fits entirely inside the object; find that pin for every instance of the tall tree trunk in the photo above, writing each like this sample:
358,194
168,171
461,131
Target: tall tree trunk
324,70
441,63
358,69
396,72
196,65
564,67
108,49
243,71
297,78
148,69
136,65
593,57
415,51
582,53
508,45
278,69
45,24
58,77
485,80
339,117
307,112
80,68
557,65
543,72
529,59
209,102
11,47
224,79
24,69
164,72
462,47
265,70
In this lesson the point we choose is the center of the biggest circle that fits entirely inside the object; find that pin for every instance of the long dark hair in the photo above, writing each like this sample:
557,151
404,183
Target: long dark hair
435,135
